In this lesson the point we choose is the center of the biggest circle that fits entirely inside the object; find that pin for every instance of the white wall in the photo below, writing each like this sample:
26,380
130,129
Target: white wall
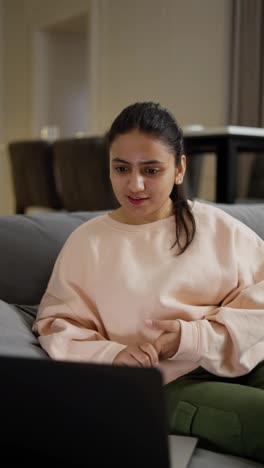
6,192
2,132
60,82
172,51
23,18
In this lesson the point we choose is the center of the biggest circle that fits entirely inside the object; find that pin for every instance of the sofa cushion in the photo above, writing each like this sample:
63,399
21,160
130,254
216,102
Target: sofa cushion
16,337
29,247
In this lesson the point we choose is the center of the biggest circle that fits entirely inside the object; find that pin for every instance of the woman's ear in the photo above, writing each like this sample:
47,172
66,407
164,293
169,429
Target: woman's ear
180,170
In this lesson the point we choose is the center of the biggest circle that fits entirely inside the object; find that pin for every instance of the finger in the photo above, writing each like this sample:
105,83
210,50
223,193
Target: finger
158,346
141,357
150,350
132,361
129,360
171,326
160,343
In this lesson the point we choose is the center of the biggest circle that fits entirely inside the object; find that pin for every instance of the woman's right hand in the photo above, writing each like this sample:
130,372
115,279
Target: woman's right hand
144,355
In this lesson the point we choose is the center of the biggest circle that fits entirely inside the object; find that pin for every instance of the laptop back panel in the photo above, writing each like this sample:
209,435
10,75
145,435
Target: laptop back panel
73,413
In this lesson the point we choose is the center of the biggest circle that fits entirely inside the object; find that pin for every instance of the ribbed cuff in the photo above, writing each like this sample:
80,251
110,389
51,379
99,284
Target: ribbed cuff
189,345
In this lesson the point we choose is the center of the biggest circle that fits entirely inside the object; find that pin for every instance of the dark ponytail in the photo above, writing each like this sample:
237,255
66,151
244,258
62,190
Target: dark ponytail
153,119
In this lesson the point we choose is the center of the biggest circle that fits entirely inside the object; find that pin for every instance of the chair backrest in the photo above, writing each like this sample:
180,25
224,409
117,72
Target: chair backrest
82,174
32,173
256,180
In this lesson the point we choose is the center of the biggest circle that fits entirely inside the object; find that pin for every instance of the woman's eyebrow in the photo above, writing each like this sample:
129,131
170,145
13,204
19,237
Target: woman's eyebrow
153,161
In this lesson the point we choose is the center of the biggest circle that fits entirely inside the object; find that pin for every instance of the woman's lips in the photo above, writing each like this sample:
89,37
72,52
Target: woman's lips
135,201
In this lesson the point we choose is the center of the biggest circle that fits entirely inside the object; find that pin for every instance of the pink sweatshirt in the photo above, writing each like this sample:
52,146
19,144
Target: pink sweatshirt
110,276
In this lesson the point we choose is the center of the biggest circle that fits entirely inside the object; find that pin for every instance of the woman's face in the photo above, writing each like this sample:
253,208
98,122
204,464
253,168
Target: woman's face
143,173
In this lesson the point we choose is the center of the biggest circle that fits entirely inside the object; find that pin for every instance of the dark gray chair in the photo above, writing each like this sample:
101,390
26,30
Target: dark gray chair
81,168
256,181
32,175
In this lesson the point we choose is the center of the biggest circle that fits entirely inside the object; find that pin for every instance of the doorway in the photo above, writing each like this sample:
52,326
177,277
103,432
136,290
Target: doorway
60,78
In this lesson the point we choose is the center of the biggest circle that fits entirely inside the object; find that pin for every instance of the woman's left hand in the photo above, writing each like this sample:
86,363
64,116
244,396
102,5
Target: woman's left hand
168,342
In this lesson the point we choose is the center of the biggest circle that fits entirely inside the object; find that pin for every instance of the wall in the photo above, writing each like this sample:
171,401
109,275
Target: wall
175,51
60,82
6,193
2,131
23,18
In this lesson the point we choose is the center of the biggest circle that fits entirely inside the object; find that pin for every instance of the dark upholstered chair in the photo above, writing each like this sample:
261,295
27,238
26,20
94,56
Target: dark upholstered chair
32,174
256,181
81,168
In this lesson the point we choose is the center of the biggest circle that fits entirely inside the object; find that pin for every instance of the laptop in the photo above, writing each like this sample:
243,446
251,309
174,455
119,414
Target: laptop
88,415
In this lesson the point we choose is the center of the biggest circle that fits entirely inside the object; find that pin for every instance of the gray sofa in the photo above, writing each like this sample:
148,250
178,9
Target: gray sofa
29,245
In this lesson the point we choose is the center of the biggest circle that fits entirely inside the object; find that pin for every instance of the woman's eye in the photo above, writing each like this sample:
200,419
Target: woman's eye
121,169
152,171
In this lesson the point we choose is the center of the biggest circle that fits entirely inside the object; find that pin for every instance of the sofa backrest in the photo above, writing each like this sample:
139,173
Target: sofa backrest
30,244
250,214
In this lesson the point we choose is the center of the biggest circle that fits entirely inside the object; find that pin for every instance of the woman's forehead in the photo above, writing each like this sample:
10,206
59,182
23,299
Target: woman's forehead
139,147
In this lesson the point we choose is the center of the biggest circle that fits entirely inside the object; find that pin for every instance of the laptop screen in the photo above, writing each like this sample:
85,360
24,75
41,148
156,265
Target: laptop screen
79,414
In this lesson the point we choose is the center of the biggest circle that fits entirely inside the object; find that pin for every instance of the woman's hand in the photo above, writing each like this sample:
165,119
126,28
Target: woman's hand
144,355
168,342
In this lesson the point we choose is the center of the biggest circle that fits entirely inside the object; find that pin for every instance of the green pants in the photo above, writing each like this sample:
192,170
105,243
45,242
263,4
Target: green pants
226,415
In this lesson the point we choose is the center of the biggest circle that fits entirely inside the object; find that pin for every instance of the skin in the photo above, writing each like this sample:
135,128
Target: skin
134,173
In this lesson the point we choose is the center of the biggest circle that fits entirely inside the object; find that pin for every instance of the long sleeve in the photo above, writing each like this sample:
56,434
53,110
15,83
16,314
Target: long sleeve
229,341
68,324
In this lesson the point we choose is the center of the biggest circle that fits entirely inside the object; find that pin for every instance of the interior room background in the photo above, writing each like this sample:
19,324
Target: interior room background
75,64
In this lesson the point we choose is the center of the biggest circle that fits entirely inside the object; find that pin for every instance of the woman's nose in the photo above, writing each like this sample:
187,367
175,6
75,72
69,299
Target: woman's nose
136,183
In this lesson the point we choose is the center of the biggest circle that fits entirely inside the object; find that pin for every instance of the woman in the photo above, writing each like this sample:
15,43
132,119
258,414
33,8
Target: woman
168,282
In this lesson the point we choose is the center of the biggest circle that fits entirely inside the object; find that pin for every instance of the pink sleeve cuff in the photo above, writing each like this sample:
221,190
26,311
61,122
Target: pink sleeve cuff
189,344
